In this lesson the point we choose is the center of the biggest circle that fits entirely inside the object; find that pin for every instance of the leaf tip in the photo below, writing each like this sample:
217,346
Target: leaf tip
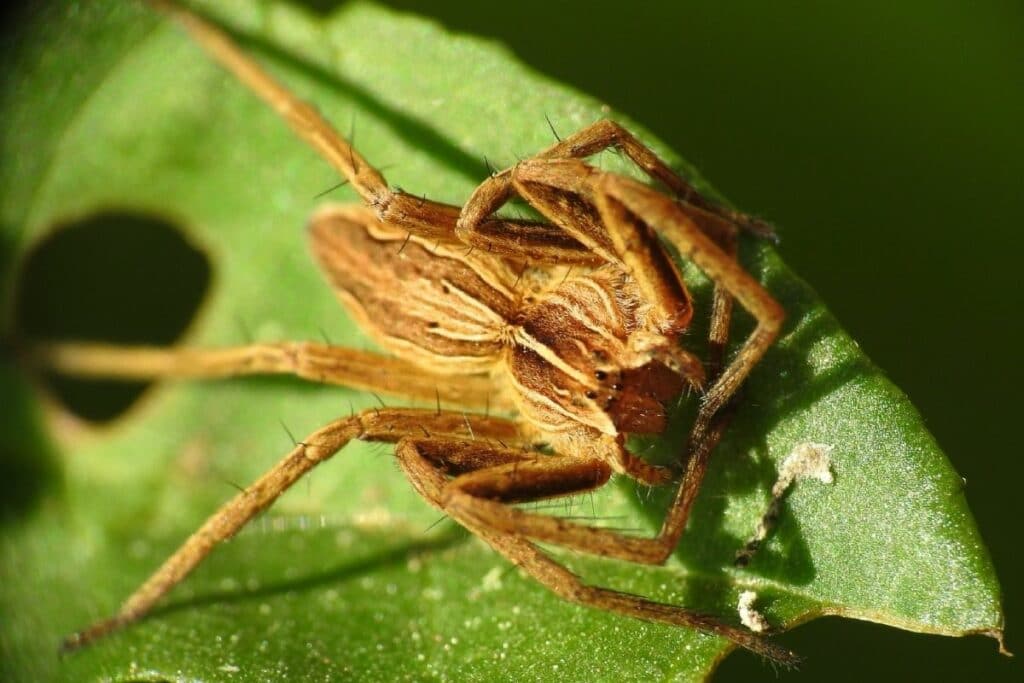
1000,637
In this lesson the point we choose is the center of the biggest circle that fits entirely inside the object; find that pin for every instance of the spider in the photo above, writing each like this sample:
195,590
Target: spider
571,324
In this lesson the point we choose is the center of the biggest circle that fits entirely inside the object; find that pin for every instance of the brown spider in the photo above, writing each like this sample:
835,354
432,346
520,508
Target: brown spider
572,325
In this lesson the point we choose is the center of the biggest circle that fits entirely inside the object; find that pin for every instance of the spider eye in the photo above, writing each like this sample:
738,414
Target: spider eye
591,393
601,375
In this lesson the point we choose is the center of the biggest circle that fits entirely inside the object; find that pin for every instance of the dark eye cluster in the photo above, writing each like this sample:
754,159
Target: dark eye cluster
602,376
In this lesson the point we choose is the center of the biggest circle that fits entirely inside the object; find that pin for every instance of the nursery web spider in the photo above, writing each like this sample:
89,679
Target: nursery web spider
573,326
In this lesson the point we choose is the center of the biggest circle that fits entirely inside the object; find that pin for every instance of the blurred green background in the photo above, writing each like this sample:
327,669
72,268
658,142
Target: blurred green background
885,140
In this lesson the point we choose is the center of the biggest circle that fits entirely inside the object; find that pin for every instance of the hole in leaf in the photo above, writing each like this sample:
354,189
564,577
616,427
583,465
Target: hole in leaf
119,278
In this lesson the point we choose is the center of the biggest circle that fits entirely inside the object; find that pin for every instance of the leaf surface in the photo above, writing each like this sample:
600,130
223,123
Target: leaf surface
111,108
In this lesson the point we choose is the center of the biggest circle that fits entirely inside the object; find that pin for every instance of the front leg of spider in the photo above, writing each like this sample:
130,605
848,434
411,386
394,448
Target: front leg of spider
620,220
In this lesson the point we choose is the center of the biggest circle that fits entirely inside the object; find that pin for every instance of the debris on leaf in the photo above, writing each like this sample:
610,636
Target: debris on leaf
807,460
749,616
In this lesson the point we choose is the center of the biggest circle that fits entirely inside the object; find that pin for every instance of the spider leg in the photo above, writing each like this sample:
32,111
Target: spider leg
718,222
315,362
571,194
482,496
638,204
624,201
629,218
539,477
387,425
606,133
721,314
525,240
561,187
629,213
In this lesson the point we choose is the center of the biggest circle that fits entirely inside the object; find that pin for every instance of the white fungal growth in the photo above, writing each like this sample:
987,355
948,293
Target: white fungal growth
807,460
749,616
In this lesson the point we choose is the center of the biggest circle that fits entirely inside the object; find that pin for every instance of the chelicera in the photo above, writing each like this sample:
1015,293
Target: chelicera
571,326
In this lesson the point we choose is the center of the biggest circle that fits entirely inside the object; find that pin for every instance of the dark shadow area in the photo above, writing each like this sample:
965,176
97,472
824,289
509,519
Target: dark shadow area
840,650
782,385
347,570
28,464
16,13
320,7
119,278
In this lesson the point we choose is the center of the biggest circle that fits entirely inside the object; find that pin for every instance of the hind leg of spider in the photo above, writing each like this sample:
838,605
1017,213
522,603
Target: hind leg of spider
424,462
386,425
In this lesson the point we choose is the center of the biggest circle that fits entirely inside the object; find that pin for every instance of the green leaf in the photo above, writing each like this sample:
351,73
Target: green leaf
109,108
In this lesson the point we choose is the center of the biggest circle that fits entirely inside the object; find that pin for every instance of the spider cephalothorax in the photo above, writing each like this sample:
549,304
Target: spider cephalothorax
579,354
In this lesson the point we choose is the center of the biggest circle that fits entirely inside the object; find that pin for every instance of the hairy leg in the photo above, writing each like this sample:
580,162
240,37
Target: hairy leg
428,476
315,362
431,220
720,223
605,134
625,197
387,425
631,216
